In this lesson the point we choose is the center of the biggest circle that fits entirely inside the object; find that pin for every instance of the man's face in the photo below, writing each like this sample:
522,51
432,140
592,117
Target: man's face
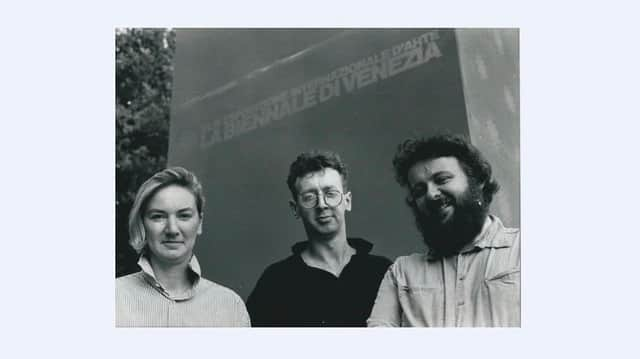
446,203
324,219
172,223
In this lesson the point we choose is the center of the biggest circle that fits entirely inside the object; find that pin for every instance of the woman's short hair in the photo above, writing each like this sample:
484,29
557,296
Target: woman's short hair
170,176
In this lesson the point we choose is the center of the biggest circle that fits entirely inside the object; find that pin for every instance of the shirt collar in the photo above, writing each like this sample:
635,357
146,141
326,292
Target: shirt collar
492,236
194,273
360,245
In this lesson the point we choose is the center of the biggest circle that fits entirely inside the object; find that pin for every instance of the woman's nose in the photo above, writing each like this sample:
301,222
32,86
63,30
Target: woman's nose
172,225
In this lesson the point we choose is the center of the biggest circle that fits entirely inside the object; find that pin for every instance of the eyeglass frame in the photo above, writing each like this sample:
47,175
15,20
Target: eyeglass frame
324,198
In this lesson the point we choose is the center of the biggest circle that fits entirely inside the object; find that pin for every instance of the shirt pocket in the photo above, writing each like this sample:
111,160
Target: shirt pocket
503,297
421,305
511,276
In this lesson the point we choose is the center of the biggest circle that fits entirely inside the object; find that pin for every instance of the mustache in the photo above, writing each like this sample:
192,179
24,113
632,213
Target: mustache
439,201
448,238
433,205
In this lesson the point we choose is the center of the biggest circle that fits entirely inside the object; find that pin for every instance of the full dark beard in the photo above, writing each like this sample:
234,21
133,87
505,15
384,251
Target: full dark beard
449,238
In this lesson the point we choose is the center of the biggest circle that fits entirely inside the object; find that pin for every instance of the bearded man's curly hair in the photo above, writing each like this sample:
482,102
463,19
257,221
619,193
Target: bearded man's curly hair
475,166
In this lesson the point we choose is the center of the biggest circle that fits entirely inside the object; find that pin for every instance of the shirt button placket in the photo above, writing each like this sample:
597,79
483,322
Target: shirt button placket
459,288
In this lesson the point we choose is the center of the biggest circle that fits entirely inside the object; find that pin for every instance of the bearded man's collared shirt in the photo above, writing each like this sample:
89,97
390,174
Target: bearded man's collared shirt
478,287
142,301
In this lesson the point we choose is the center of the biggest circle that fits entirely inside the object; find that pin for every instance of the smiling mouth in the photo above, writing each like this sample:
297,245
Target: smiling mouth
440,208
441,203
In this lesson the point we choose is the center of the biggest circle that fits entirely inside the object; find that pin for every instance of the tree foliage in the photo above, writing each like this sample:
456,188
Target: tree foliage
144,70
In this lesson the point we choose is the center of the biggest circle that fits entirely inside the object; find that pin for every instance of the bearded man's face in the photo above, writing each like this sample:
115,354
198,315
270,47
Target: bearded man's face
446,203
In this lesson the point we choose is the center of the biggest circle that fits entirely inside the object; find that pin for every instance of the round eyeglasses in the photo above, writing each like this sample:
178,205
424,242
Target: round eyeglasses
310,200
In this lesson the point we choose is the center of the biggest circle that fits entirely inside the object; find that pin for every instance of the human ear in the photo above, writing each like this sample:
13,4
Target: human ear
410,201
294,208
347,201
200,225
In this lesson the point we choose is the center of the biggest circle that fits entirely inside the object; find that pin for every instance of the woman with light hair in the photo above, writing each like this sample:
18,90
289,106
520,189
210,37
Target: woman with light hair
169,291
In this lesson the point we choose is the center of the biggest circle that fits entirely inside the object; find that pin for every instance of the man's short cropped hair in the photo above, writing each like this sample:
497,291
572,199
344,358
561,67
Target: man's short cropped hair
314,161
170,176
475,166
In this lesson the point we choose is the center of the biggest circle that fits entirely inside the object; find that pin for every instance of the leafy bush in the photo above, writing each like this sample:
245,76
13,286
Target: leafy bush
144,70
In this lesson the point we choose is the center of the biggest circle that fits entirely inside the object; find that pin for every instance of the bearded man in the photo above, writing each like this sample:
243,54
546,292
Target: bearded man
470,274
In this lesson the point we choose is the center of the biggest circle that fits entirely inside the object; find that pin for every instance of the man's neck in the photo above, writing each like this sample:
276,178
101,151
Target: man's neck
331,255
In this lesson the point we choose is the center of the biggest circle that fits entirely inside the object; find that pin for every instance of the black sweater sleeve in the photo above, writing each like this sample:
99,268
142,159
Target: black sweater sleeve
261,302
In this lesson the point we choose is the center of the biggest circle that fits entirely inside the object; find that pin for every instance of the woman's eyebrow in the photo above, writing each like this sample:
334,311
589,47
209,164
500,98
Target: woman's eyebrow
154,210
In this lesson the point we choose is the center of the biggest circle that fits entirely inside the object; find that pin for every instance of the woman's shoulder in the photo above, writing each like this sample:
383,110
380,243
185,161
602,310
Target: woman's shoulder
131,285
129,280
209,287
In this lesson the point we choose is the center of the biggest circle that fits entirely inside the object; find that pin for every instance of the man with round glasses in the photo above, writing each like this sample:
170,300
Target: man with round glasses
329,280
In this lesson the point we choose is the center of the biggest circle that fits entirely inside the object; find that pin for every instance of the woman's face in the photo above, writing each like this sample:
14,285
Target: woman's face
172,223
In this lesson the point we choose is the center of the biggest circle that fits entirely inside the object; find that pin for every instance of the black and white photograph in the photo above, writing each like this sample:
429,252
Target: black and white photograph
319,180
352,177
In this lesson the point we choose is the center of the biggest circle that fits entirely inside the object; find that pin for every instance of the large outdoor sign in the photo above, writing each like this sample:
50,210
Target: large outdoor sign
247,102
381,66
